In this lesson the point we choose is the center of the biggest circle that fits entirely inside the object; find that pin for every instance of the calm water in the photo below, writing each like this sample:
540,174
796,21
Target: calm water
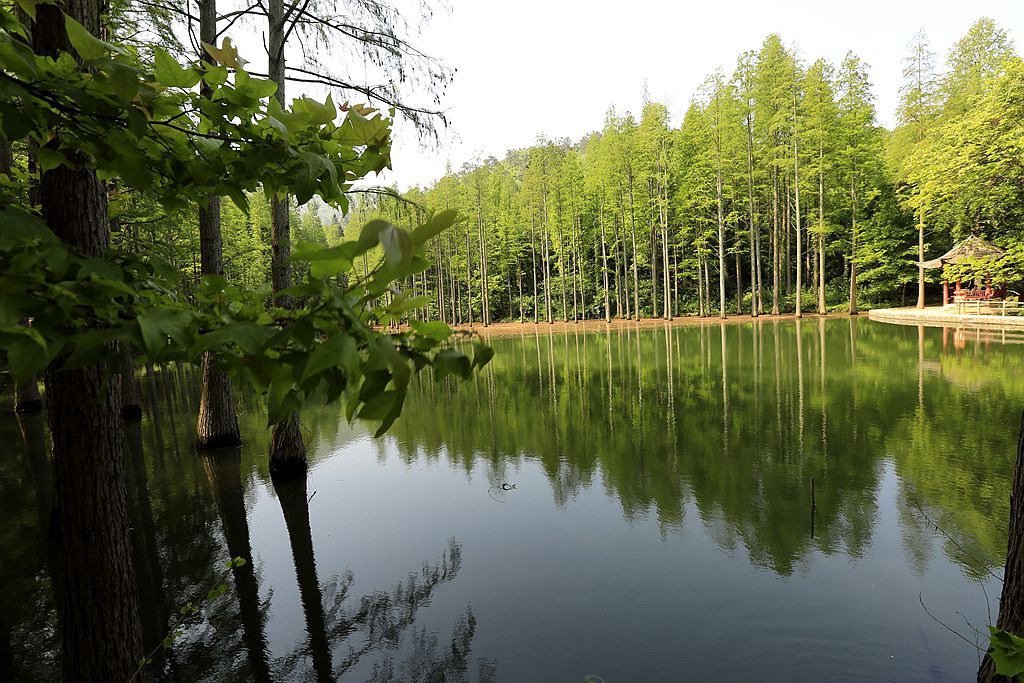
660,525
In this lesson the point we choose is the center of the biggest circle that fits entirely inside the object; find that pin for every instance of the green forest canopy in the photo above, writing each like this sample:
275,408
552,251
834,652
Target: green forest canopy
663,220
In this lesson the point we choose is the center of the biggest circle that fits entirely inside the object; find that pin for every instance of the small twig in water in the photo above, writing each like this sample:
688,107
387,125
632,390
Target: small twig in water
956,633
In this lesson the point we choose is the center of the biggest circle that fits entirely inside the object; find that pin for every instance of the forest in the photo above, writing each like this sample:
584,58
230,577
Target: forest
779,192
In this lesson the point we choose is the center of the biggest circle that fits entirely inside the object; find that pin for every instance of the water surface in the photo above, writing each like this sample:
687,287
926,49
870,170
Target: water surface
660,526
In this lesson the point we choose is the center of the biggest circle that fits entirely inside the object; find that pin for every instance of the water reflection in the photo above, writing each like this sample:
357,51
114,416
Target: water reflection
664,494
723,415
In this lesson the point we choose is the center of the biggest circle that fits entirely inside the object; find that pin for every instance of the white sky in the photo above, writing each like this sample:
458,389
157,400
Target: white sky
553,67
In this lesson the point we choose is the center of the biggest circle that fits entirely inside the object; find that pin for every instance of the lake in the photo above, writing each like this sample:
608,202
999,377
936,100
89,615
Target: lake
630,505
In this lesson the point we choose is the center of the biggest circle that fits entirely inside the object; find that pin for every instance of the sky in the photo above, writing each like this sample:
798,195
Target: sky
554,67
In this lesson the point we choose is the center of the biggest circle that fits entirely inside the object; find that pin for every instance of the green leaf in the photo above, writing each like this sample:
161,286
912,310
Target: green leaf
27,355
434,329
86,44
50,159
330,353
450,362
160,325
482,354
1007,652
226,54
29,7
435,225
172,74
378,406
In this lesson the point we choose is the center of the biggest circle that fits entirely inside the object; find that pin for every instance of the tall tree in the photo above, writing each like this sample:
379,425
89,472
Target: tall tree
287,450
915,115
859,150
217,423
101,633
821,137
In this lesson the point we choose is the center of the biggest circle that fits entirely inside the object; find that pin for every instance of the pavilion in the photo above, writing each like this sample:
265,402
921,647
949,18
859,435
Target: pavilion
971,249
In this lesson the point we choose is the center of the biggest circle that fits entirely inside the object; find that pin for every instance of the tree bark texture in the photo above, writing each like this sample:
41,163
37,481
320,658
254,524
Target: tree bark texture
287,450
1011,602
217,423
99,616
131,395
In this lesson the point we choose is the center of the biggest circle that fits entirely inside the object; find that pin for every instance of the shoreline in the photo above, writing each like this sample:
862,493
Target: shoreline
505,329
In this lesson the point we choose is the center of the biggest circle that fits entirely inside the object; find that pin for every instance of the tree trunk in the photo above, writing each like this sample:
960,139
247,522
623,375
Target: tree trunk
99,615
1011,602
920,256
796,214
636,265
700,285
131,396
533,253
287,452
485,317
217,424
822,308
739,282
604,263
26,396
853,248
546,256
775,240
753,222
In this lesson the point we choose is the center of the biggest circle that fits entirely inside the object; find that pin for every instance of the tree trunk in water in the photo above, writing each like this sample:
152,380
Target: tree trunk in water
26,396
99,615
217,424
1011,602
131,396
287,452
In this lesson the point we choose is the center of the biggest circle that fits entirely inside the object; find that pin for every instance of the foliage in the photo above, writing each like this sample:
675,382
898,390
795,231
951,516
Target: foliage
139,123
1007,652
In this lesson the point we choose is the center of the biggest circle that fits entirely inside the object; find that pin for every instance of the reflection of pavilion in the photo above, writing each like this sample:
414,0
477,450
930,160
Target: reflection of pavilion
971,251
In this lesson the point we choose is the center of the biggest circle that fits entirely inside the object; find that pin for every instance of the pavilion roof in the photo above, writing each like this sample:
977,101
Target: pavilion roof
969,249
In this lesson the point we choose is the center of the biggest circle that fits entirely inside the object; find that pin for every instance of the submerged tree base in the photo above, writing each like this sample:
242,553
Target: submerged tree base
217,424
287,451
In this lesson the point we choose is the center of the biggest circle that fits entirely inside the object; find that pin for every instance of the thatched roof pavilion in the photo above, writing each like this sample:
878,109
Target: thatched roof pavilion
971,249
